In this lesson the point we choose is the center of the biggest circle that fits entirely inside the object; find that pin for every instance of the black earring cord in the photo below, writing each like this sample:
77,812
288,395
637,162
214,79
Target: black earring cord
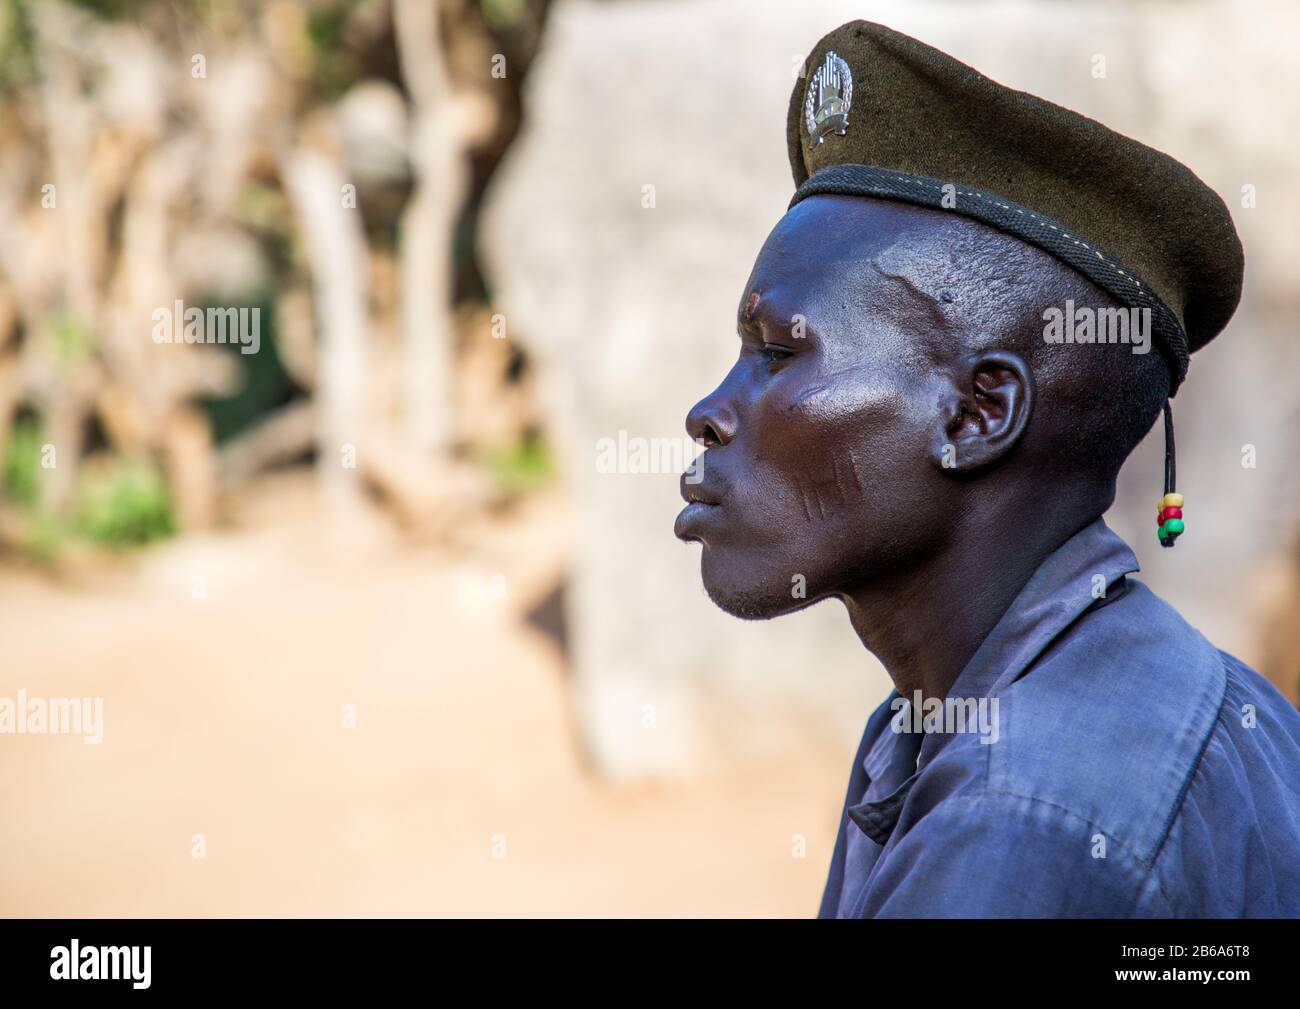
1169,449
1170,466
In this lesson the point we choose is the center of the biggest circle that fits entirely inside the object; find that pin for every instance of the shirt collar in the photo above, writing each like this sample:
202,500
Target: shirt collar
1076,576
1070,581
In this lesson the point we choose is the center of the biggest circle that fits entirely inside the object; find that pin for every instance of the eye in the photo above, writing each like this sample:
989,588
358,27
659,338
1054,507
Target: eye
775,352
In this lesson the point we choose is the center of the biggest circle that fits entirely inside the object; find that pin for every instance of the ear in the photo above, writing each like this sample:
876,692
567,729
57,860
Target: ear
983,410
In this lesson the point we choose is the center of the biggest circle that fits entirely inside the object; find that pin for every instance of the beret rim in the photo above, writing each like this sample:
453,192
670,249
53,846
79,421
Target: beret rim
1106,271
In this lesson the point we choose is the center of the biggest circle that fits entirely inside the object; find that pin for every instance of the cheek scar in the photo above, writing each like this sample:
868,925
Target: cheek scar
813,391
827,493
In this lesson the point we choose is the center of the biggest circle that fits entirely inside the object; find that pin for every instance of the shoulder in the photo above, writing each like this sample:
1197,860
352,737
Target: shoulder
1129,730
1233,848
1109,722
1112,720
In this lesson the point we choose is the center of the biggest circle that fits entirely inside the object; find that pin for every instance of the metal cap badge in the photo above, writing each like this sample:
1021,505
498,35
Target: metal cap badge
830,96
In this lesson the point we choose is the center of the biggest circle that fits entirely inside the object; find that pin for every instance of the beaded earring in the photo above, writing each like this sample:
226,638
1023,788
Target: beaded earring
1169,512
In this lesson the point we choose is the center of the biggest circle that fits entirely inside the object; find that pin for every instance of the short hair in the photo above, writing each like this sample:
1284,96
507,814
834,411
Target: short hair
995,290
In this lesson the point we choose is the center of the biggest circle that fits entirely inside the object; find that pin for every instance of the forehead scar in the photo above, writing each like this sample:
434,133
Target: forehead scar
930,281
751,304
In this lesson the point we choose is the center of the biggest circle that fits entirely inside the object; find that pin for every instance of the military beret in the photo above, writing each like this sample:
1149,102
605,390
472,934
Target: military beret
879,114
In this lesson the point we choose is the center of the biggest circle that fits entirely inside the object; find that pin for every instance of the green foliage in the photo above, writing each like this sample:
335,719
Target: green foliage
21,474
123,503
266,386
503,13
20,482
17,46
336,65
73,340
118,502
109,10
523,467
325,24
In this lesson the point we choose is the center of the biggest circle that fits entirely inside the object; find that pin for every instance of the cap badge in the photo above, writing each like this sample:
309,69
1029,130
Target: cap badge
830,95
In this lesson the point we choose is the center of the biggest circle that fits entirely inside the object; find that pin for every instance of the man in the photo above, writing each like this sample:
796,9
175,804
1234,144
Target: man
976,306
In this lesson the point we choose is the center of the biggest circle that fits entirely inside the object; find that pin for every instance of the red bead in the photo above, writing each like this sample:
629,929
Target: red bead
1171,513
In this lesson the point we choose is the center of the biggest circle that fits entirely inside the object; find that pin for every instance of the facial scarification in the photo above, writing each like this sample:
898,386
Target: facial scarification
810,427
824,444
830,485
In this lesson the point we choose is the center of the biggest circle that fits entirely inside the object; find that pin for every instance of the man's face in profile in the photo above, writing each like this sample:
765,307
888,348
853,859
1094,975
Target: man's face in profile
817,474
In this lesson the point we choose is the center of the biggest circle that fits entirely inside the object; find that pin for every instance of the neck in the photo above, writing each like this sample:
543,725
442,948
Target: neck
926,623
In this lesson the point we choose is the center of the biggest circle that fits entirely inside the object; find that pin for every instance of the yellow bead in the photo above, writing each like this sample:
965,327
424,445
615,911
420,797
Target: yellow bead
1172,501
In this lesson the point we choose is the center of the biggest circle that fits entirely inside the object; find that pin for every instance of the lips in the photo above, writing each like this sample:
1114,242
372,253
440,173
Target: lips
693,494
702,505
699,492
693,518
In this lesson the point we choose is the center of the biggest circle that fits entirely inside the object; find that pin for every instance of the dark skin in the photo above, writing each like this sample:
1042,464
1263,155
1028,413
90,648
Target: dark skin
888,436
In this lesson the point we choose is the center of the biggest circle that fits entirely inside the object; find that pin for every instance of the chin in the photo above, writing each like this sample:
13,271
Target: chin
748,595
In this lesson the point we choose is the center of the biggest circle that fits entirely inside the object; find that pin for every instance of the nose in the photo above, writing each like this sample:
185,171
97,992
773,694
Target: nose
712,421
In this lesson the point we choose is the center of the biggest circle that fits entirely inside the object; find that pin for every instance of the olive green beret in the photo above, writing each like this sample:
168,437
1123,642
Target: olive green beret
880,114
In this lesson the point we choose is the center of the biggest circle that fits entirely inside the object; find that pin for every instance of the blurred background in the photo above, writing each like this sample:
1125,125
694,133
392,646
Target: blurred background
383,605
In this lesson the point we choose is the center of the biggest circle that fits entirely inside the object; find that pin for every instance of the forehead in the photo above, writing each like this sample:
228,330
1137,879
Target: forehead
830,254
839,227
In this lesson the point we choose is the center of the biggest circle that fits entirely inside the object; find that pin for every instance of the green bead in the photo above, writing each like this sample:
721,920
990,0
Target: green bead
1162,534
1172,527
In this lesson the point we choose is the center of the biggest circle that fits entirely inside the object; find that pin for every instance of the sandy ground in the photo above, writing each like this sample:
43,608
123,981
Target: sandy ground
229,666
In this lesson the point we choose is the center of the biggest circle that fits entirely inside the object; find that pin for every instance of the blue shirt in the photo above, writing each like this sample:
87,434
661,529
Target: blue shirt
1135,770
